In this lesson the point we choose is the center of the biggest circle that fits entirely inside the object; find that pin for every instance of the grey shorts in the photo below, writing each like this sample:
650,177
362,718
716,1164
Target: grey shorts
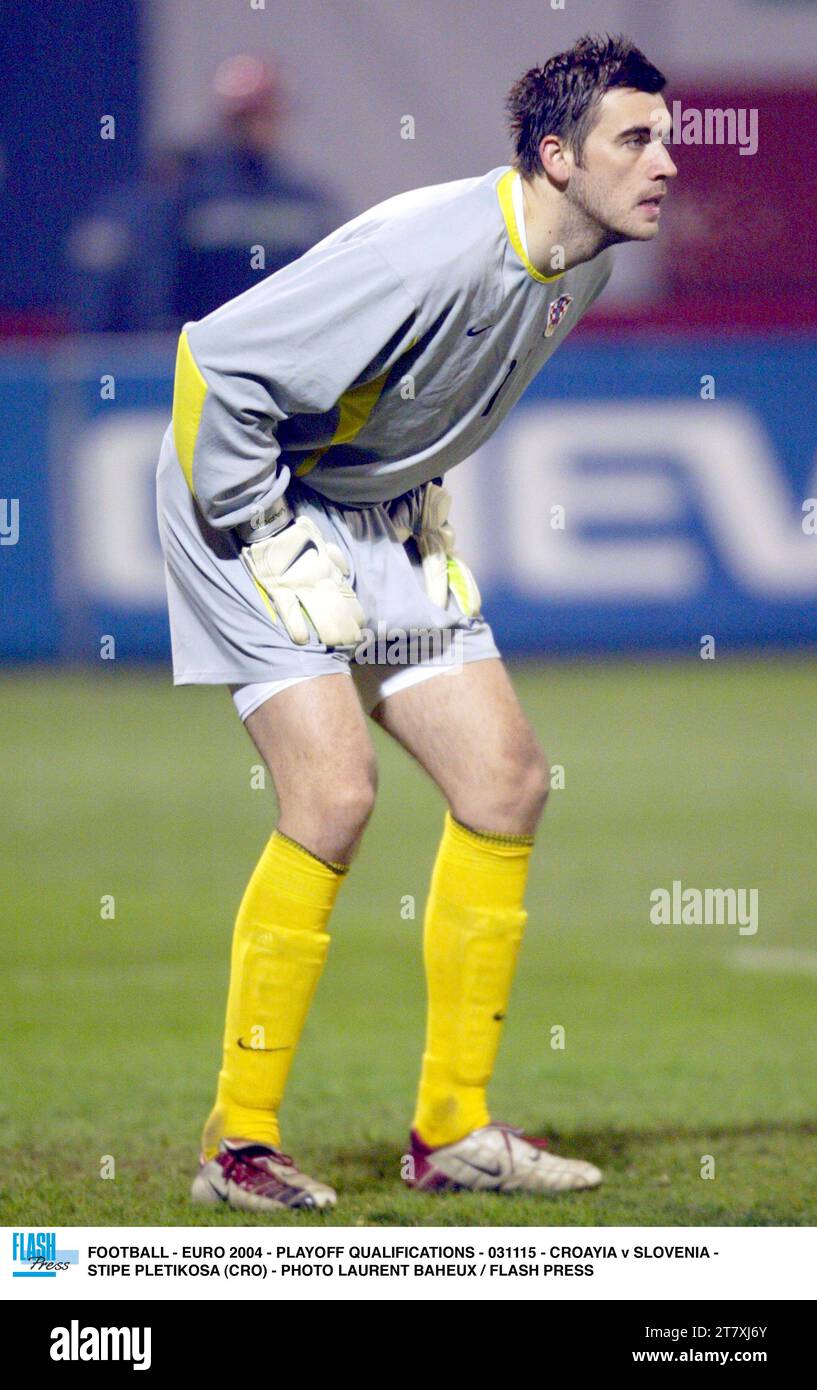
223,633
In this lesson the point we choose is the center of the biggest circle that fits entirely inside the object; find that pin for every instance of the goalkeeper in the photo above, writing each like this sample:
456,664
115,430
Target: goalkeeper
301,508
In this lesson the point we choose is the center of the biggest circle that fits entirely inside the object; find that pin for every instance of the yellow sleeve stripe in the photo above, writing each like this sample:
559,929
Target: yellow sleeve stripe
355,409
189,391
505,194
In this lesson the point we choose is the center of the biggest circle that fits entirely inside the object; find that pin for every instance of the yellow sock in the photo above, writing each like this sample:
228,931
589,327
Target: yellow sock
279,948
473,926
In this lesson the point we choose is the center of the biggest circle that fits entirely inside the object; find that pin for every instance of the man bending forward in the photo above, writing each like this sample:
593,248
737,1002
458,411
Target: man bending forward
301,508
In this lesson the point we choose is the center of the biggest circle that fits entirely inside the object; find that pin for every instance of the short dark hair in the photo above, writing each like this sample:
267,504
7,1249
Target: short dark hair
562,97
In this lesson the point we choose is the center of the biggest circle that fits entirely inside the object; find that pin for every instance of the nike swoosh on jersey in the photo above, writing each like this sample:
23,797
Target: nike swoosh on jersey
473,332
248,1047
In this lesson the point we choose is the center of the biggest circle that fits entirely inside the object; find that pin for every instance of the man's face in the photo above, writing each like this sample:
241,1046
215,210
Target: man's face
625,166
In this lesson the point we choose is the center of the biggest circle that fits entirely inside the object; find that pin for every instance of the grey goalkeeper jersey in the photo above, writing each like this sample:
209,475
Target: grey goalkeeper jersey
377,361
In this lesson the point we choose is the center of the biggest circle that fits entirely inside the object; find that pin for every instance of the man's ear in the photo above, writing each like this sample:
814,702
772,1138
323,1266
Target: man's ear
556,160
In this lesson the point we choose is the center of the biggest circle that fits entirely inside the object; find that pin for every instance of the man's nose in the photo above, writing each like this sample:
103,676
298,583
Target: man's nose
664,168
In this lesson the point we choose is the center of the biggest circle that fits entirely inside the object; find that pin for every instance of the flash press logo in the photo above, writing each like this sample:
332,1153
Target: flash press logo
75,1343
37,1254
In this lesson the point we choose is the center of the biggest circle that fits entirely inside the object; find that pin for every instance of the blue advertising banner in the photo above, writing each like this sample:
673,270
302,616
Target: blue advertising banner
650,493
29,622
646,494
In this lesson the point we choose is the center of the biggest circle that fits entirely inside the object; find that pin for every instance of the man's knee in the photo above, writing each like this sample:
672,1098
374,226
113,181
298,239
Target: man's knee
348,801
510,792
524,783
536,782
330,808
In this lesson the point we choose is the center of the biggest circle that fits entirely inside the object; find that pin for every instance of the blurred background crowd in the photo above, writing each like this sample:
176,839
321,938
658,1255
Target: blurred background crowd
175,240
146,147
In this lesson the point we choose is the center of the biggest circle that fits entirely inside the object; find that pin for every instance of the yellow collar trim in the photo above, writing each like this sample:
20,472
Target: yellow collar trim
505,194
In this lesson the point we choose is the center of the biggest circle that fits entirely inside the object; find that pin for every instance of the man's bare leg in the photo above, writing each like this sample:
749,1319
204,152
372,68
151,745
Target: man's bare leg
469,732
313,738
471,735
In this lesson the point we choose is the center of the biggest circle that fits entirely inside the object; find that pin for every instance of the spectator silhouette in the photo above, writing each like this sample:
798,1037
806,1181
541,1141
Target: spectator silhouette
202,224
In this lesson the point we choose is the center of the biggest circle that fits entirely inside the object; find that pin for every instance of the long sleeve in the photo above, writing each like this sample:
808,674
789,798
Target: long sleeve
293,344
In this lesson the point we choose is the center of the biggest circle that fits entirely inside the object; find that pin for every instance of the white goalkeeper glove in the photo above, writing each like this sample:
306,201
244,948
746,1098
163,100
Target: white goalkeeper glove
443,570
305,576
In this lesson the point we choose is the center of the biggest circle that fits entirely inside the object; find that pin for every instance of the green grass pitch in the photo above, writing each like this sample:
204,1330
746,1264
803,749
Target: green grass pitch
680,1042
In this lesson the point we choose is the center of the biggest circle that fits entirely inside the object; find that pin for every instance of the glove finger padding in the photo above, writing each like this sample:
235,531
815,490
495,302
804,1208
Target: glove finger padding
337,557
336,616
289,610
464,586
443,570
435,509
434,557
305,577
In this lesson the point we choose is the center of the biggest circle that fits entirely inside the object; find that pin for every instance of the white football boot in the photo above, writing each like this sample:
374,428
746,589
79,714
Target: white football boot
497,1158
254,1177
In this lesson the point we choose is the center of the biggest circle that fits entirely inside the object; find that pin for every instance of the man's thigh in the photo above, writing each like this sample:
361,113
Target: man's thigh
471,735
314,740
